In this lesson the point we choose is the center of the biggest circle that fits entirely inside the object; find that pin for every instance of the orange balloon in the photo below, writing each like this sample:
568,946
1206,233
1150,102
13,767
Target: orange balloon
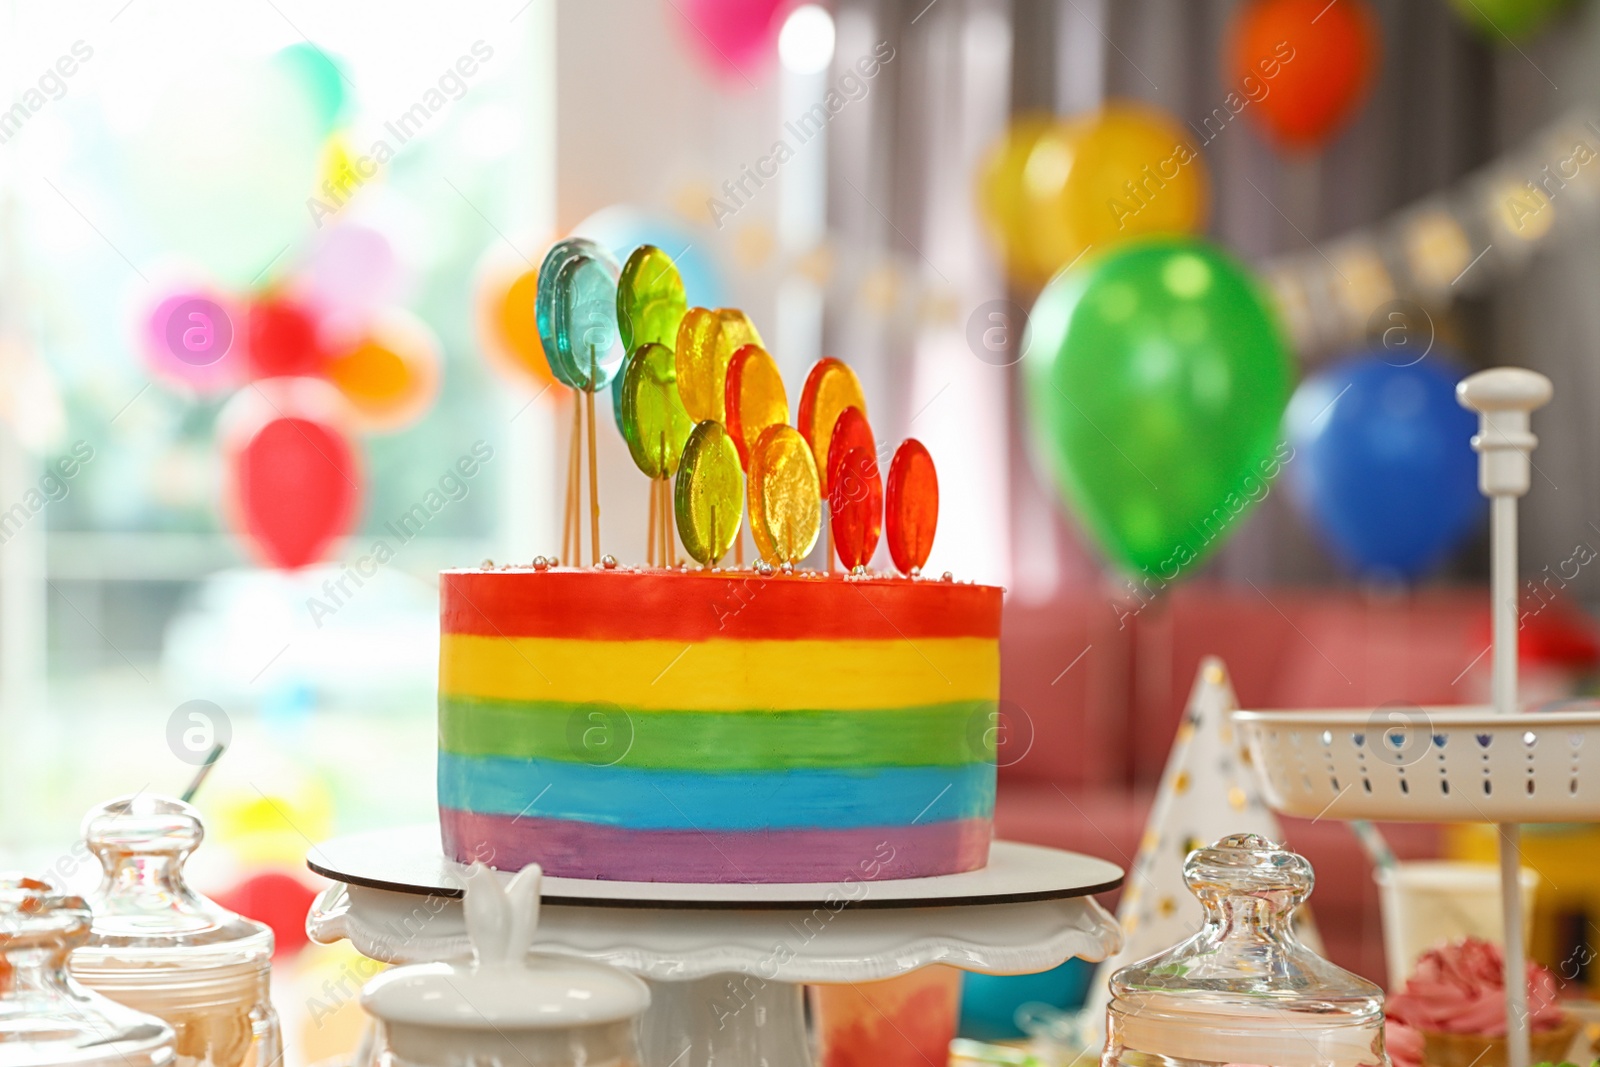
508,330
390,375
1300,68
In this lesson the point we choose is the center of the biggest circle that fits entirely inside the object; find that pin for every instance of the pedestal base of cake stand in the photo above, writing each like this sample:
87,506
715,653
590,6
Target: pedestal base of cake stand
726,963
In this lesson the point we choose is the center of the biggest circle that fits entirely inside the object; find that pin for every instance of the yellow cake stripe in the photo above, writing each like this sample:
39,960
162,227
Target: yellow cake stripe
721,675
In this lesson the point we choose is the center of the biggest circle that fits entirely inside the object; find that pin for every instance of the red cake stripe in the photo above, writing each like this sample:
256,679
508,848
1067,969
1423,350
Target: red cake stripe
695,606
589,850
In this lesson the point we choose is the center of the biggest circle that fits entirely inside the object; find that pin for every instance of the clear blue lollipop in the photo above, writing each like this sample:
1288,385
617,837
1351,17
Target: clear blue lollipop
587,340
544,302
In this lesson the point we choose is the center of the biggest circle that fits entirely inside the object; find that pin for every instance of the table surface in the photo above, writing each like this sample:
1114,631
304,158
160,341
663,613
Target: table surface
410,860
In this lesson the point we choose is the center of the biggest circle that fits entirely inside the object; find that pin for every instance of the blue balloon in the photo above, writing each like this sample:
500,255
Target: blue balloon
621,228
1383,466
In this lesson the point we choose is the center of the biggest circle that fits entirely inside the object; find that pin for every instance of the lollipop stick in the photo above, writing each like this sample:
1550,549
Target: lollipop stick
738,550
669,545
651,526
594,469
569,525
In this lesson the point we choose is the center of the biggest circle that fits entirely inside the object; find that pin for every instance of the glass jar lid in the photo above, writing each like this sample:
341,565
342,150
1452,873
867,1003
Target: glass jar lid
1244,982
148,923
46,1018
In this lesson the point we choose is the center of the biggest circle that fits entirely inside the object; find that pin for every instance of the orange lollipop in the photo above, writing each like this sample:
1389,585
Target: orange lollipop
830,388
912,506
707,341
857,509
785,504
850,430
754,399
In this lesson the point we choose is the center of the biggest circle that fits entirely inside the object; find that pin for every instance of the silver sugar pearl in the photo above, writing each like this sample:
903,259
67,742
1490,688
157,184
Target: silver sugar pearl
947,577
609,562
540,563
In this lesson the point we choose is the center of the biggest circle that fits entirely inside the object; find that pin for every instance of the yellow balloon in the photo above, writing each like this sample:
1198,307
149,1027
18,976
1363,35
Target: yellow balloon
1009,202
1055,191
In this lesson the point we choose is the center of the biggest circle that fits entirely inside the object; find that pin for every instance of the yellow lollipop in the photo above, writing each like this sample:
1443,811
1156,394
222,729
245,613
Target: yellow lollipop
707,340
708,495
785,497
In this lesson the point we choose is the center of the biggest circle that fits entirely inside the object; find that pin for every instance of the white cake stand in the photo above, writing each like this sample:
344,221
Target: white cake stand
726,962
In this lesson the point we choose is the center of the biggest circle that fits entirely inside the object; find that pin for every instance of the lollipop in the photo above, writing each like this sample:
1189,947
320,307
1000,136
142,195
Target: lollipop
856,509
850,430
656,427
707,341
830,388
785,502
912,507
709,494
754,399
650,299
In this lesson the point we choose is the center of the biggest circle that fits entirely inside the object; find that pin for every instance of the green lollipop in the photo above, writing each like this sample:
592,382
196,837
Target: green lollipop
586,320
650,299
544,300
709,494
652,417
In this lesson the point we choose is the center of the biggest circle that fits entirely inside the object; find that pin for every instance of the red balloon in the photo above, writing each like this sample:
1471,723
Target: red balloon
277,899
850,430
912,506
1301,68
281,339
294,479
856,508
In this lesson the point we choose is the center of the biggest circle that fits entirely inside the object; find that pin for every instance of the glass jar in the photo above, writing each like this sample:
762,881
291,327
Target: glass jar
158,946
46,1018
505,1007
1243,990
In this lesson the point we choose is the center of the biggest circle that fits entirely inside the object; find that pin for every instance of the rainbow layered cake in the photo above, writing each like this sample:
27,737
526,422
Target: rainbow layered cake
708,726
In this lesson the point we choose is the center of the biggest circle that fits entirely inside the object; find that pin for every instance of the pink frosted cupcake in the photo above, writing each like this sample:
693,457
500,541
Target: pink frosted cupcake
1455,999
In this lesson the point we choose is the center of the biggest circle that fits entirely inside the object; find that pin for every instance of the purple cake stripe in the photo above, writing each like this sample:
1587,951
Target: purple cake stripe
587,850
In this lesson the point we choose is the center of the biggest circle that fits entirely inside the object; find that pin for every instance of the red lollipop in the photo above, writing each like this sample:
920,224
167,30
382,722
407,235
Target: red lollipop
293,478
856,509
850,430
281,340
280,900
1302,67
912,509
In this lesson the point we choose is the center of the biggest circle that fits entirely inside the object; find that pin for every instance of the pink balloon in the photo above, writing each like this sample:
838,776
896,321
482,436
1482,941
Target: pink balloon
736,38
191,339
351,270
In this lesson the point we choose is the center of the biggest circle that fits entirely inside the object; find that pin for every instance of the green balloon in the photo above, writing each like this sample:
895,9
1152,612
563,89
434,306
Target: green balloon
1156,378
321,80
1499,20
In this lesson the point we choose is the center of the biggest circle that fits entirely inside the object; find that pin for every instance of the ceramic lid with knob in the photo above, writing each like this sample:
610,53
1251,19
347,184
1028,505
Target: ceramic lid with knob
46,1018
505,994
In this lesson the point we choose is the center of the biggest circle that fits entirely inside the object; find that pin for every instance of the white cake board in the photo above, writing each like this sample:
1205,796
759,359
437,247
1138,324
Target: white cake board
726,962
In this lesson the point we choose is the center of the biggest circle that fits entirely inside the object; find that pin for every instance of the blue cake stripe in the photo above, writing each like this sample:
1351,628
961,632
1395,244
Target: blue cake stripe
649,799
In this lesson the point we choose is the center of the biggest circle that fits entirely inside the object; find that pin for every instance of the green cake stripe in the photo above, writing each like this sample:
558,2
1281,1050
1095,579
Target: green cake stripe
938,735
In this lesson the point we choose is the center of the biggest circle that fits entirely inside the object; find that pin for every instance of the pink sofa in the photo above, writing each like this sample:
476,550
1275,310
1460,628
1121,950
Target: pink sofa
1102,724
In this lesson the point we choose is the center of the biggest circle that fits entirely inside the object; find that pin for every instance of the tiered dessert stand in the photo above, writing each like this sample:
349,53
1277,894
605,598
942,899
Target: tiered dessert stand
726,963
1453,764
